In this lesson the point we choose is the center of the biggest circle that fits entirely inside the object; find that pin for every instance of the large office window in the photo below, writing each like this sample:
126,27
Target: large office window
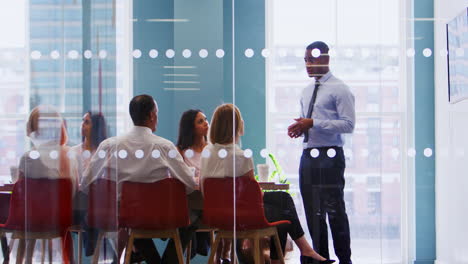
364,36
14,102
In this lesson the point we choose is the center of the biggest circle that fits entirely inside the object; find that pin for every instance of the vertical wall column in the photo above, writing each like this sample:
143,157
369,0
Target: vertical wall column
424,133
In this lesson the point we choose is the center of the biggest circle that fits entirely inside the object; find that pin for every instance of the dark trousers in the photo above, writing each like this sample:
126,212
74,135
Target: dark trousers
280,206
322,182
5,250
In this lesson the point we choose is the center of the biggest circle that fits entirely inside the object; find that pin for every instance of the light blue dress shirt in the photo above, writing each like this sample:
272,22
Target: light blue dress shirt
333,113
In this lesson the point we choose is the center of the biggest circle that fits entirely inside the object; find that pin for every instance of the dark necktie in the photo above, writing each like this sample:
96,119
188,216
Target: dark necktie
311,108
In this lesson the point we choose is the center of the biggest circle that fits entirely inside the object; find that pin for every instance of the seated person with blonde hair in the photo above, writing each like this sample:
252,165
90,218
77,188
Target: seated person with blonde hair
227,126
48,157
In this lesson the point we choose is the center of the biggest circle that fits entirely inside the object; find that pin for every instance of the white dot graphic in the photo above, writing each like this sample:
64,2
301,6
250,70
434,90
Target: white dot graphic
55,54
102,54
136,54
35,55
428,152
266,53
264,153
88,54
203,53
222,153
410,52
331,153
249,53
139,154
248,153
86,154
73,54
315,53
186,53
189,153
427,52
170,53
123,154
153,53
172,153
101,154
220,53
206,153
156,154
314,153
34,154
332,52
411,152
53,154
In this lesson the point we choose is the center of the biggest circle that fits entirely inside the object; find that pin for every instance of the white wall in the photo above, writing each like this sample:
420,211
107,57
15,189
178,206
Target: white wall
451,150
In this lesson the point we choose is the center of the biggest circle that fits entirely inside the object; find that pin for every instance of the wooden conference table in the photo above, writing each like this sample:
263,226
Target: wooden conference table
272,186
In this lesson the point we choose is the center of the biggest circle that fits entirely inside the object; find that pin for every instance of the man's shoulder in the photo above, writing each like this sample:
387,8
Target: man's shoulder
334,80
339,85
160,141
109,141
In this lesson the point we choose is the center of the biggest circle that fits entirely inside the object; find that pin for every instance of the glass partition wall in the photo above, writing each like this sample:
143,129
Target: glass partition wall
70,69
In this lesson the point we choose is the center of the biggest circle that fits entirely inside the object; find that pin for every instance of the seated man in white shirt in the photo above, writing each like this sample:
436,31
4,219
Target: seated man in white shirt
140,156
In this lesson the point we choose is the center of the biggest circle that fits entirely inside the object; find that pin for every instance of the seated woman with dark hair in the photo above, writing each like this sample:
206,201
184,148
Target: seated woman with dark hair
193,131
93,132
227,127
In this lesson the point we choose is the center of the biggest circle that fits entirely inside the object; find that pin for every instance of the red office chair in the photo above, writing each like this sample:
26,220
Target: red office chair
250,221
4,208
40,209
102,210
154,210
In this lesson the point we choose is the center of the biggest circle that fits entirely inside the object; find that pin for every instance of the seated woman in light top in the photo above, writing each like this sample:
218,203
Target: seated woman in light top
226,128
48,157
93,132
193,131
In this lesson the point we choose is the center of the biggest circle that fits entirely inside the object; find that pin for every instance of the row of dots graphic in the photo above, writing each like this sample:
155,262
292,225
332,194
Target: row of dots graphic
222,153
248,53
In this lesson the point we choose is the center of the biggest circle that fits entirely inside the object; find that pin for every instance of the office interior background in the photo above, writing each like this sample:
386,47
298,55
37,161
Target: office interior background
405,177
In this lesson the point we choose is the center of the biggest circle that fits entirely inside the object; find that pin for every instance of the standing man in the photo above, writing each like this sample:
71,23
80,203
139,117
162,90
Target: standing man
327,112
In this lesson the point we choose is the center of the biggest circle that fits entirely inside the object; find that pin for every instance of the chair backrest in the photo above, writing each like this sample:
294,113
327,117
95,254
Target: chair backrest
219,210
4,206
102,204
40,205
157,205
